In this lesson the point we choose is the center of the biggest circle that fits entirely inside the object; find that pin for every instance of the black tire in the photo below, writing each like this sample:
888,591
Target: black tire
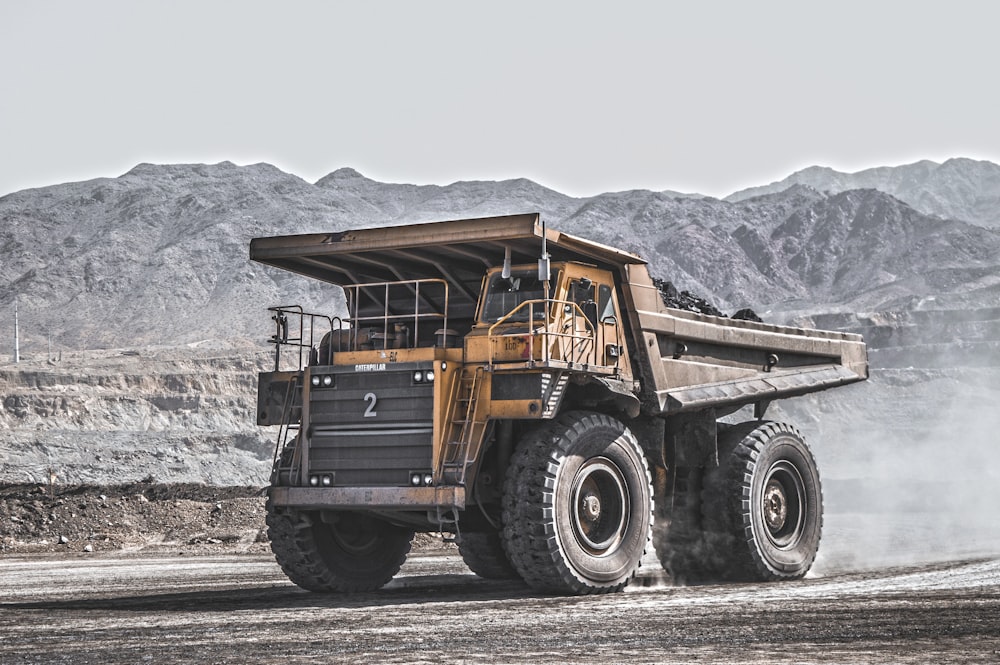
355,553
577,505
763,506
677,530
483,553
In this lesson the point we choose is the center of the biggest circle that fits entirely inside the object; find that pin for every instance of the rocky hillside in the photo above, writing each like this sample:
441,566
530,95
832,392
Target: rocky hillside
180,414
159,255
957,189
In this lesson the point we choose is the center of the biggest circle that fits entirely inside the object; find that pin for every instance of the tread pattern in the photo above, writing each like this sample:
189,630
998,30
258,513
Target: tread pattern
307,561
677,530
529,534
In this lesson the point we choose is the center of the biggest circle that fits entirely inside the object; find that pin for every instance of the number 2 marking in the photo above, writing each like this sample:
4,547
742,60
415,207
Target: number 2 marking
372,401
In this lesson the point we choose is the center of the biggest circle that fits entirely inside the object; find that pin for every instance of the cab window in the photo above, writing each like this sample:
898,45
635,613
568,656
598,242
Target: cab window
605,305
581,291
505,294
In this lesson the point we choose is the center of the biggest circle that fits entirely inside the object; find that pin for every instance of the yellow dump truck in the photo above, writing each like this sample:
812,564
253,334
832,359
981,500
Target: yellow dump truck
528,393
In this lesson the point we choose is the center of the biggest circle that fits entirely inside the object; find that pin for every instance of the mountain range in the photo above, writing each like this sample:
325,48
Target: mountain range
959,188
159,254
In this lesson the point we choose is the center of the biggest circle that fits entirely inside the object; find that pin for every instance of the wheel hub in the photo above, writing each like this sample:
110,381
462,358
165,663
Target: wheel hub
354,536
600,506
783,504
775,506
590,507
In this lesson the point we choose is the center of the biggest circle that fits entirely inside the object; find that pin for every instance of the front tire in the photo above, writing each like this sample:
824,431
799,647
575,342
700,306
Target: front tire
577,505
763,506
483,553
350,553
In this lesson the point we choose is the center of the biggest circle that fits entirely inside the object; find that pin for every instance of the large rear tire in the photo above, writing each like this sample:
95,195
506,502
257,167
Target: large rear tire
763,506
577,505
483,553
678,531
352,552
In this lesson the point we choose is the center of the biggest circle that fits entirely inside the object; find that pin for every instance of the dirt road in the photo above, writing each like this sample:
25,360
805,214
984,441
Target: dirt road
240,608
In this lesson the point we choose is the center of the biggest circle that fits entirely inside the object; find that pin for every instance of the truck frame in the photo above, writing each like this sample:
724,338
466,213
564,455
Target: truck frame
528,394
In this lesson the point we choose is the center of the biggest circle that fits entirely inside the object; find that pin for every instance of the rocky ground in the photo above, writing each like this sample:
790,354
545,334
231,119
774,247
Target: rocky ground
129,517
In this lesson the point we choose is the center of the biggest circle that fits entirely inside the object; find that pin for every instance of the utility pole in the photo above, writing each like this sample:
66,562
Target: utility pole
17,340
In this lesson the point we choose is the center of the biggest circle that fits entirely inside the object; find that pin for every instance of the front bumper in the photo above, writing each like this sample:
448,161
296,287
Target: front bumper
369,498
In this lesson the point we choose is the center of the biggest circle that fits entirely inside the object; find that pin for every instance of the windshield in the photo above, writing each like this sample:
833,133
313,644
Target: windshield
503,295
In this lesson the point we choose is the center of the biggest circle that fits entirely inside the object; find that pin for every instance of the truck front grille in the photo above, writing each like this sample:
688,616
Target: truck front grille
372,428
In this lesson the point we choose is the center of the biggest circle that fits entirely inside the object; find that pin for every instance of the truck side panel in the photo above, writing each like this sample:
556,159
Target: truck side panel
693,361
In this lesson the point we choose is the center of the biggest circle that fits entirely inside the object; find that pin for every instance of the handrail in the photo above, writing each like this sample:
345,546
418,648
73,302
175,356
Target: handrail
354,293
304,341
312,328
578,345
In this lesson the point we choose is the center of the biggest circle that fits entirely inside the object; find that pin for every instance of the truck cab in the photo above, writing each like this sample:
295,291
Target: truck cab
574,322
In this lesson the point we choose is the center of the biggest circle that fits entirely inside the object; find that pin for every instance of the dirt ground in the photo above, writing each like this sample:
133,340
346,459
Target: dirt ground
183,574
238,608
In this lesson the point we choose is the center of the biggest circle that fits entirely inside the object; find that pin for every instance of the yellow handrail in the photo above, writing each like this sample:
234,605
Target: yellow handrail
580,339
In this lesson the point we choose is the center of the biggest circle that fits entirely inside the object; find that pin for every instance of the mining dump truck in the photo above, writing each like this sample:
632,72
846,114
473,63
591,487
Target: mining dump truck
527,394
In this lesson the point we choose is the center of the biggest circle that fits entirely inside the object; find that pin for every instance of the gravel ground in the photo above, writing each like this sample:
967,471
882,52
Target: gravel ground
115,609
183,573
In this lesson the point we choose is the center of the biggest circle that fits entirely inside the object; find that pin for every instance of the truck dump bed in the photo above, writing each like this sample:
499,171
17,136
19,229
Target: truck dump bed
684,361
698,361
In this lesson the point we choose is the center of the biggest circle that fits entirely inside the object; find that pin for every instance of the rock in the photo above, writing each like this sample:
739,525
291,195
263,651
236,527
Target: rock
747,314
88,548
63,540
683,299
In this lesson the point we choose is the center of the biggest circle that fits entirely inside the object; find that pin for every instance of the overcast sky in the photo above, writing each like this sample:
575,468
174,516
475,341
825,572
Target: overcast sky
582,97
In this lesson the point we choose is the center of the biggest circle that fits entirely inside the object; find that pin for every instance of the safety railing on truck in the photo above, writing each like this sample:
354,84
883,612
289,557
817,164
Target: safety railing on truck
301,331
381,315
555,333
398,315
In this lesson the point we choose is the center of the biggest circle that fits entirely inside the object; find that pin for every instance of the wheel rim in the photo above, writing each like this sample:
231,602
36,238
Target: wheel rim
783,504
353,536
600,506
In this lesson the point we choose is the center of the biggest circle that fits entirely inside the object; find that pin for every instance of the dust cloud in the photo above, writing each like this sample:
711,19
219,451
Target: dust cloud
910,462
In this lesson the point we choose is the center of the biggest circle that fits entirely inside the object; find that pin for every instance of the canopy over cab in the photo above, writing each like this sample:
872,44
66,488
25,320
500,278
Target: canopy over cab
458,252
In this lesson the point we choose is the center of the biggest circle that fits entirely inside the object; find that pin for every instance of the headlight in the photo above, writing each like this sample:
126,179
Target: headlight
418,377
327,380
428,479
314,380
